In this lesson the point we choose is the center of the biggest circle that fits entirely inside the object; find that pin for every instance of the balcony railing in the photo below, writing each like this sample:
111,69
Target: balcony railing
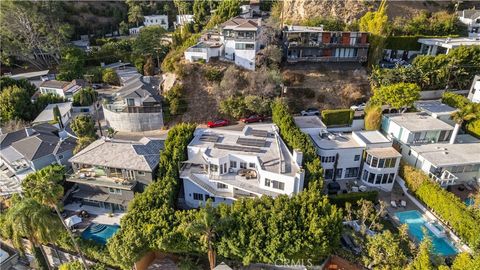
326,59
446,178
90,178
133,109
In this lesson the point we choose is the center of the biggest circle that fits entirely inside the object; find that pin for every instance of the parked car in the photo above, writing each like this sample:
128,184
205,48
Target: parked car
218,123
252,119
310,111
359,107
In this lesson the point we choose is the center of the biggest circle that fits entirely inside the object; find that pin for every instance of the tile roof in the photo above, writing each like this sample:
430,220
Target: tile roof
55,84
143,155
240,23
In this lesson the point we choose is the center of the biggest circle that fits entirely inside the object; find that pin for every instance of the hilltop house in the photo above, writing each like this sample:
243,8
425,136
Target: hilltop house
136,106
225,165
313,44
31,149
426,141
435,46
46,116
62,88
238,40
183,20
474,93
471,18
107,173
161,20
365,155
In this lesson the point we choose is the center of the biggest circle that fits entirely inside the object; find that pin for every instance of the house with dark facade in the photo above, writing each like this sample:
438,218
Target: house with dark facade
313,44
108,172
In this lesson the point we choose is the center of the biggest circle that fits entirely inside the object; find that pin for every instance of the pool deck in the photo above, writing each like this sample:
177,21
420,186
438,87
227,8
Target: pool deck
97,215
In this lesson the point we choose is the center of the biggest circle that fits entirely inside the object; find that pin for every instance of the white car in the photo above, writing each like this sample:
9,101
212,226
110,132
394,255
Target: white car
358,107
310,112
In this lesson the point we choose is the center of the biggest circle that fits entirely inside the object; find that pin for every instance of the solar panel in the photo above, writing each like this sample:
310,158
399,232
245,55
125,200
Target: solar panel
209,138
251,142
259,133
238,148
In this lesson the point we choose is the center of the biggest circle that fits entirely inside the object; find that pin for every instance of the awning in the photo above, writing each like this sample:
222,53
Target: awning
73,220
197,159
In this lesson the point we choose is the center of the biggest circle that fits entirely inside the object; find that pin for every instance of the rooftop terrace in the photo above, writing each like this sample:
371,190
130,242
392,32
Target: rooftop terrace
418,121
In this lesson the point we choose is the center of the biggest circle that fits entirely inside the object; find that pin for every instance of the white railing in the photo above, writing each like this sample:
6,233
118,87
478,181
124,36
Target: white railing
445,179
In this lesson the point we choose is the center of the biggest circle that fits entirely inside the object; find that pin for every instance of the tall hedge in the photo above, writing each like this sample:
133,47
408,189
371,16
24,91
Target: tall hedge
409,43
353,197
458,101
296,139
337,117
445,204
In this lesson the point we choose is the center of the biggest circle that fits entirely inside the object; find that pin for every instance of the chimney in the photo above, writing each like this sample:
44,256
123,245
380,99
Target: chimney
298,157
29,131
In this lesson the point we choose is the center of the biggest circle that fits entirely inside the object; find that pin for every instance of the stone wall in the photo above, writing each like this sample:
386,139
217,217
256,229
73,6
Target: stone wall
133,122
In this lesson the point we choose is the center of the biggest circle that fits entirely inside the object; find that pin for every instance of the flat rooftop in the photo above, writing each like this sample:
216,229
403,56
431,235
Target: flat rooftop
418,121
450,42
335,141
254,140
313,121
434,107
466,150
371,137
385,152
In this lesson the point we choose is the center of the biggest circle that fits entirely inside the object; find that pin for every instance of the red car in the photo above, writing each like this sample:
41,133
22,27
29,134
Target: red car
252,119
218,123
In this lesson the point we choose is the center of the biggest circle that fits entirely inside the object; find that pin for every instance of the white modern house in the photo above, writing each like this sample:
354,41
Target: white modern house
238,40
225,165
471,18
425,142
61,88
161,20
364,155
435,46
183,20
474,93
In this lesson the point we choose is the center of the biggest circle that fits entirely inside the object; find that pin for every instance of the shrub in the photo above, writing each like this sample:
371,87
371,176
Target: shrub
109,76
373,118
213,74
473,128
340,199
454,100
445,204
337,117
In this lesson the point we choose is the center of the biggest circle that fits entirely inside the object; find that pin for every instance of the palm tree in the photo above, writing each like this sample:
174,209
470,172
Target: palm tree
467,113
135,14
28,218
44,186
205,226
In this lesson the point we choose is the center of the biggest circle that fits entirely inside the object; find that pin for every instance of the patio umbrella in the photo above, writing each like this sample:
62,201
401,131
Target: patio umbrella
73,220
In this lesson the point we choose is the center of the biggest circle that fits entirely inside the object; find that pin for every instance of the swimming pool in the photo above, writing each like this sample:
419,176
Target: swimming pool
99,233
441,245
469,201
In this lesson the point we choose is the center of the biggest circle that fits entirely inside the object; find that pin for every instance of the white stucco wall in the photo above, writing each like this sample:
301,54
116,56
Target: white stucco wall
133,122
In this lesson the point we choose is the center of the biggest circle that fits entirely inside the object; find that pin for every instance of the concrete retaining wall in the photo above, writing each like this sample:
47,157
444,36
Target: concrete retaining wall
133,122
437,94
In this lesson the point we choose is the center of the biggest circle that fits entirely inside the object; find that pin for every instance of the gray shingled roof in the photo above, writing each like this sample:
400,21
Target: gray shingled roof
240,23
143,155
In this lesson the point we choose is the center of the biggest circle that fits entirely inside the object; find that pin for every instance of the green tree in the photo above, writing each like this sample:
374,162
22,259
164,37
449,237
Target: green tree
373,117
72,64
28,218
376,23
57,116
399,95
84,126
149,67
15,104
109,76
83,142
201,13
383,251
44,99
123,28
465,114
45,187
422,259
135,14
234,107
85,97
466,261
22,83
257,104
150,41
205,227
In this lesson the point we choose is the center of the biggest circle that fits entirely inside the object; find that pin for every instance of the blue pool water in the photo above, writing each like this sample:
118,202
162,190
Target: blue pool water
99,233
415,222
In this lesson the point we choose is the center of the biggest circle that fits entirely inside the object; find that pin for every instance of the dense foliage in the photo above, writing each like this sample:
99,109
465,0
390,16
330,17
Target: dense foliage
376,23
15,104
454,70
72,65
109,76
445,204
398,95
175,101
341,199
439,23
373,117
337,117
85,97
472,126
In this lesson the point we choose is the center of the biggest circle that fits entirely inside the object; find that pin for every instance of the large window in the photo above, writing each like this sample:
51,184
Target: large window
278,185
356,158
328,159
369,159
198,196
328,173
338,173
374,162
351,172
213,168
233,164
267,182
114,191
221,186
243,165
371,178
251,165
244,46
